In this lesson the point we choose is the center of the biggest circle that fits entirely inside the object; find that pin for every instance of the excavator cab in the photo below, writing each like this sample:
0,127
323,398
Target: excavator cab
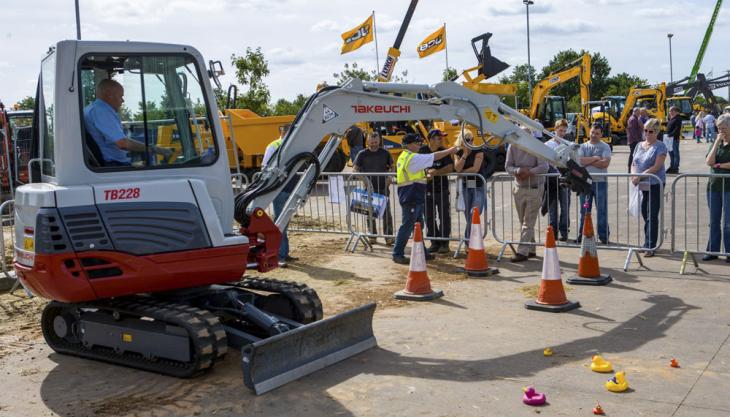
553,109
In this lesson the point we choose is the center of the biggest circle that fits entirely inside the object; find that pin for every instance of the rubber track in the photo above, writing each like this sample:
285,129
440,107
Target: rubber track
304,298
202,335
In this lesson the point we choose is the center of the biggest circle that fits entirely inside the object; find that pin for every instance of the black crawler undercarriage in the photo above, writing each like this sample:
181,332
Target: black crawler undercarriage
277,325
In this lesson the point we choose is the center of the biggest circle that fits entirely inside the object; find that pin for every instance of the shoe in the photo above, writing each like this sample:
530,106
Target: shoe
444,248
290,258
373,240
283,264
604,241
709,258
727,259
402,260
434,247
563,239
430,256
649,254
518,258
389,241
532,255
578,241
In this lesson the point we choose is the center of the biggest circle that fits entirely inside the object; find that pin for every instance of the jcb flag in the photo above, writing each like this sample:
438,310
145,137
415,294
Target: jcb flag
357,37
433,43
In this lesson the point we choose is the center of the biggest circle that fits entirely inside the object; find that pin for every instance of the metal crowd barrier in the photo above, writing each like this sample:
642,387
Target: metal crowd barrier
240,182
625,232
691,206
7,243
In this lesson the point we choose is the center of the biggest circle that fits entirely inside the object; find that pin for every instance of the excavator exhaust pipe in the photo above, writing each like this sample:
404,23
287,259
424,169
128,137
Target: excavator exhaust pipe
277,360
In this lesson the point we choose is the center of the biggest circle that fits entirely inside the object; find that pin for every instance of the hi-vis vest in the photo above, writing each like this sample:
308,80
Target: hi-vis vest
411,187
289,187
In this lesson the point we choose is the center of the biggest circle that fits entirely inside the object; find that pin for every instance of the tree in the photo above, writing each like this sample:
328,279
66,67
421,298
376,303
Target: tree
284,106
355,71
619,84
449,74
27,103
251,68
519,76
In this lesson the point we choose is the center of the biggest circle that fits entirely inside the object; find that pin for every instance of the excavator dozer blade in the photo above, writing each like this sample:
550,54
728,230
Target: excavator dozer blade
277,360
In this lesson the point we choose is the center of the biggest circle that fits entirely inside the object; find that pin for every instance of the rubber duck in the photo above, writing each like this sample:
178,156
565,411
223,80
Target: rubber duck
618,383
532,397
597,410
547,352
674,363
598,364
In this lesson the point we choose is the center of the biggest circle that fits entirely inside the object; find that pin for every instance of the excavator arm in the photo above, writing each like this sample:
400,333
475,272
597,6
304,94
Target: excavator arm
581,68
332,110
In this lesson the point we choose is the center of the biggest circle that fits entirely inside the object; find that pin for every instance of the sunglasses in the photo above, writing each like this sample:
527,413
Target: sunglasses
649,131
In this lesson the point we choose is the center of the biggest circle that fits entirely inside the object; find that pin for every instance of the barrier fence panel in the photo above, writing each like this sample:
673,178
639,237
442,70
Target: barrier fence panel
700,207
7,244
447,213
625,232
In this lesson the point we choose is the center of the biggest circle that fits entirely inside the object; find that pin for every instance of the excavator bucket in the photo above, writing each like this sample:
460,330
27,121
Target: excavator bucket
277,360
490,66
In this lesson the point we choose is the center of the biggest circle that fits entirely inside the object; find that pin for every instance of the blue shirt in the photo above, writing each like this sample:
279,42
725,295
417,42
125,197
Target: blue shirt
646,158
104,125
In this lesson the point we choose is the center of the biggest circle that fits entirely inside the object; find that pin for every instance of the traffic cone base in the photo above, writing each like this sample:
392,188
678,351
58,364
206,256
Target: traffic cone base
418,286
569,305
578,280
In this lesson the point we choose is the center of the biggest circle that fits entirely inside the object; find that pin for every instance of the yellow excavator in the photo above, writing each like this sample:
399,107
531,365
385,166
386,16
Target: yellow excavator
548,109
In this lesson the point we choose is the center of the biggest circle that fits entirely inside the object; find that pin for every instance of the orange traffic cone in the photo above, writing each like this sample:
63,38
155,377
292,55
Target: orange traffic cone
589,273
476,258
418,286
551,296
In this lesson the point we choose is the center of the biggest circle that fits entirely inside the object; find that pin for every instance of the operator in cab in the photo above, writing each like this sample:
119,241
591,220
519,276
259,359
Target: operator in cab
102,122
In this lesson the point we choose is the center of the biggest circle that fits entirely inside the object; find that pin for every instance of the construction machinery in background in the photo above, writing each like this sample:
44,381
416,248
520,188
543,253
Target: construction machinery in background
15,134
143,261
704,87
394,52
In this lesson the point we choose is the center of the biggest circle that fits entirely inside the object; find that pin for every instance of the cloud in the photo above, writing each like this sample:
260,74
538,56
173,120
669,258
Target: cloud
517,9
564,28
656,12
326,26
144,12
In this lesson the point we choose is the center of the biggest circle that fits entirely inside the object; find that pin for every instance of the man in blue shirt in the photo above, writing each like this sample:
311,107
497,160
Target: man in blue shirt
102,122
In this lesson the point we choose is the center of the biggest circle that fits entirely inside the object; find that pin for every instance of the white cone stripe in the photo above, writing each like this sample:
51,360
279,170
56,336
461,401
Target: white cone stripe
589,245
551,265
418,257
476,240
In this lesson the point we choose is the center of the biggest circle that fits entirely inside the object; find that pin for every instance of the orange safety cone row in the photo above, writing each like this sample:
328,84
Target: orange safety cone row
418,286
589,273
476,258
551,296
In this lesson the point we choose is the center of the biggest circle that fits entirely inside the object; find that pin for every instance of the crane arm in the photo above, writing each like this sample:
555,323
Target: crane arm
394,51
334,109
705,42
581,67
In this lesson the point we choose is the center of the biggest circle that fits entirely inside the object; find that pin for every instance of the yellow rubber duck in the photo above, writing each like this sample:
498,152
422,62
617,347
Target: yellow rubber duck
618,383
598,364
547,352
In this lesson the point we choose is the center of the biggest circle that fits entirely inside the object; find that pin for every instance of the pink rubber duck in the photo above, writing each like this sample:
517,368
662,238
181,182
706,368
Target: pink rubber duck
532,397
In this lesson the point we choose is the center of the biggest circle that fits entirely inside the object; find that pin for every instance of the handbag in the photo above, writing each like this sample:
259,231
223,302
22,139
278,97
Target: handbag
635,202
668,142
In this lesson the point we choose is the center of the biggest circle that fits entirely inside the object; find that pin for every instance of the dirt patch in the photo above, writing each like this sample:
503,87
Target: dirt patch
19,322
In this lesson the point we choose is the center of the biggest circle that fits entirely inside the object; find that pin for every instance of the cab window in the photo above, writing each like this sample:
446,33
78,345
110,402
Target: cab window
144,112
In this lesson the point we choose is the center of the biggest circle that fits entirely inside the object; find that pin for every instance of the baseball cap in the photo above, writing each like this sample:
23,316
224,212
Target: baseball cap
411,138
436,132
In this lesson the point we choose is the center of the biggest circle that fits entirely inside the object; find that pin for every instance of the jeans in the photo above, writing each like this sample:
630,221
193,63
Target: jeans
412,213
674,155
387,222
599,193
563,199
437,208
473,197
279,202
632,147
711,134
651,203
354,151
719,204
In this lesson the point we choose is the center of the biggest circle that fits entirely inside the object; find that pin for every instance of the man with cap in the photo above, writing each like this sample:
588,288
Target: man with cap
411,179
437,193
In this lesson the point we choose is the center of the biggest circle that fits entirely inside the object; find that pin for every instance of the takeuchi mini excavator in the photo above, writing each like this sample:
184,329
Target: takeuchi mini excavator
143,261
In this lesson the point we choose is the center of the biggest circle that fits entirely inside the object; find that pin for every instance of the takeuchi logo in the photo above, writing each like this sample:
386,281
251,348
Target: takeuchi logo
430,44
361,108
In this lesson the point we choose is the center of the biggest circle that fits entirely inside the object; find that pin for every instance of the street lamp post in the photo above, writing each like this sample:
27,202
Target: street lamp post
528,3
78,21
671,72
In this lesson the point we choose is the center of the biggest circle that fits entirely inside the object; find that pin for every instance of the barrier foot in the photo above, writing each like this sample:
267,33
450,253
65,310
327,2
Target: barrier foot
638,258
349,242
688,254
458,248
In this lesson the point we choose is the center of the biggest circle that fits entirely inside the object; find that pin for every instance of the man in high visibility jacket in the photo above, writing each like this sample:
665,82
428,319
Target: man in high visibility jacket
411,180
280,199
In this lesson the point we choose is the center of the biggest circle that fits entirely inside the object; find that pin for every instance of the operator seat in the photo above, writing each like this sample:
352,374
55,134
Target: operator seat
94,157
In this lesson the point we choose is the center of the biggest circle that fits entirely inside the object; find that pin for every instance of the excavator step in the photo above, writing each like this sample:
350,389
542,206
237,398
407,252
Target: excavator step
277,360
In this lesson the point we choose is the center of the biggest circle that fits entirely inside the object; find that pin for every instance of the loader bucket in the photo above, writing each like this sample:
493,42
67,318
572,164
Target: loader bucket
277,360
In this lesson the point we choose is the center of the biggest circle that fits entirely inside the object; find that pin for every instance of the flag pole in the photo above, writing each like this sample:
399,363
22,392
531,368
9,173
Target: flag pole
377,57
446,49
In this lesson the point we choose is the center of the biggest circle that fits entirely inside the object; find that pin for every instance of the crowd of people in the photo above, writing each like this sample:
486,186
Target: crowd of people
424,193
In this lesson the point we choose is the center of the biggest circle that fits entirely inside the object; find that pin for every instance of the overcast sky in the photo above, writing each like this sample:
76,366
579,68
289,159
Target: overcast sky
301,38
